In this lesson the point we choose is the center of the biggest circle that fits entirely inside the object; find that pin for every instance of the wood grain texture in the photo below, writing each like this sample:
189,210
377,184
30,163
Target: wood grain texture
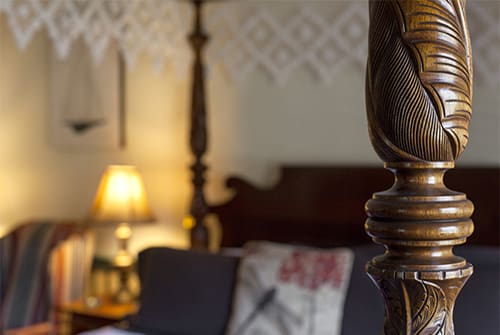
419,104
419,79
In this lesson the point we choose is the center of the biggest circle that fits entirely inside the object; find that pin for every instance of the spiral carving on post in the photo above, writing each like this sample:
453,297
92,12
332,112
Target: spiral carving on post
419,98
419,79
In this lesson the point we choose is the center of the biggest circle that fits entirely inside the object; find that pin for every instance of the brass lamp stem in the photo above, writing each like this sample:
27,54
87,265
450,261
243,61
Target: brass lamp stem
123,261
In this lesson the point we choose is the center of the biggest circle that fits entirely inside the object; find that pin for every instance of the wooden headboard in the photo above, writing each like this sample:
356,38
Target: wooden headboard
324,205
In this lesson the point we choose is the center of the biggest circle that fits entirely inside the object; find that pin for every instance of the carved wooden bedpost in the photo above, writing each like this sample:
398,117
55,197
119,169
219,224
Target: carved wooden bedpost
198,134
419,91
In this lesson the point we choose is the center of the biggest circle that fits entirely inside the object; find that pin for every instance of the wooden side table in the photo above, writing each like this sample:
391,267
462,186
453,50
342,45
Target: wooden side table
78,317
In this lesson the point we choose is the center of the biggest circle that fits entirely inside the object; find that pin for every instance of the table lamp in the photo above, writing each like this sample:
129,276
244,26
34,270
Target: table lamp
121,200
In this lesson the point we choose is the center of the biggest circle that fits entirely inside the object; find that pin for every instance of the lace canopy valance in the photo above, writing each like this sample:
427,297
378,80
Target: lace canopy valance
277,37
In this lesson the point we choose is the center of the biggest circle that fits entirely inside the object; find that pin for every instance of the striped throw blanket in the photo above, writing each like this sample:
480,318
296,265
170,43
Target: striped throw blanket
26,293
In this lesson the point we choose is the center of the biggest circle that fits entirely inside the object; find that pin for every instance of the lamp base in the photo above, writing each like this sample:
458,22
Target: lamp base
123,294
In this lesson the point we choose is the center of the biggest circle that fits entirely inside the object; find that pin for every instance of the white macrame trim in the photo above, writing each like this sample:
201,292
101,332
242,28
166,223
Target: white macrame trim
322,42
319,37
153,27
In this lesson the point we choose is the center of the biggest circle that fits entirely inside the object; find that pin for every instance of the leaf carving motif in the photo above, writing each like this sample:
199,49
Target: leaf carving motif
419,79
430,317
415,307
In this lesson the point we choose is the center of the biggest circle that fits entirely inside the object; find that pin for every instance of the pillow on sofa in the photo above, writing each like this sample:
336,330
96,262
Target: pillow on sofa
285,289
184,292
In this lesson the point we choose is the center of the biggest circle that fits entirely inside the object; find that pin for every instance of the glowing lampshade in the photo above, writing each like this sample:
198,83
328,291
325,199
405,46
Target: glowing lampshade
121,197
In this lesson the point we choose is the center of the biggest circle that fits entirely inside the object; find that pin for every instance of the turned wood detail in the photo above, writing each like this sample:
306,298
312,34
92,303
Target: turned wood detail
419,221
419,97
198,133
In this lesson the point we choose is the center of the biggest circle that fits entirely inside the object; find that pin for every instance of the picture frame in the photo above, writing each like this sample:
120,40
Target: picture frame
86,100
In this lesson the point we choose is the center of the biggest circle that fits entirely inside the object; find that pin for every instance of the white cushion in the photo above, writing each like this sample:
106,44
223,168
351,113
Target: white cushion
285,289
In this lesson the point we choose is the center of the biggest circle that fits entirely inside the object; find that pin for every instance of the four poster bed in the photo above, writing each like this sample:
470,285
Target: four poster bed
419,91
419,104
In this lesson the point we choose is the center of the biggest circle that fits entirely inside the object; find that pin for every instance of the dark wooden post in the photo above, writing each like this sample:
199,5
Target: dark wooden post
419,91
198,134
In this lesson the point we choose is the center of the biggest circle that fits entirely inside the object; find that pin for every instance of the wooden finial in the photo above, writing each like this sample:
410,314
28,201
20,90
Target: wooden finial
419,79
419,91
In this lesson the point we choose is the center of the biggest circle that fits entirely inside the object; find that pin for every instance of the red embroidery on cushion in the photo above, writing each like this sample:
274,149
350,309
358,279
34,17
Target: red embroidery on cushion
311,270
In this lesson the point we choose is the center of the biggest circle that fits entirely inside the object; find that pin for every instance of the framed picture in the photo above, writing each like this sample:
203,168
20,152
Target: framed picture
86,107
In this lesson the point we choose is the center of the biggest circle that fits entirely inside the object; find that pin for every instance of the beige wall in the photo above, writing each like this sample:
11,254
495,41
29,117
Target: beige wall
254,127
39,181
